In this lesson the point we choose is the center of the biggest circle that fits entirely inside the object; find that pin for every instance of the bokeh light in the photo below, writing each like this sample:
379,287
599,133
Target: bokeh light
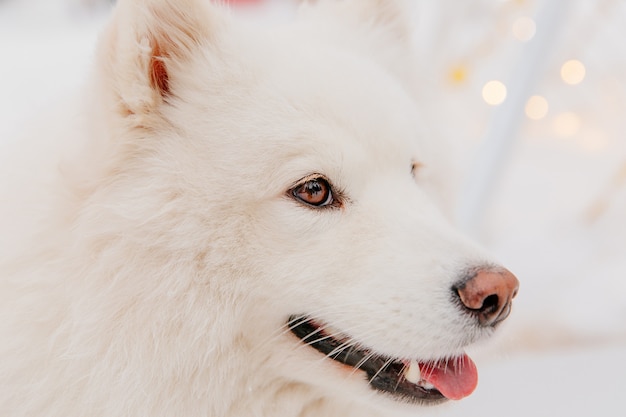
573,72
494,92
524,28
537,107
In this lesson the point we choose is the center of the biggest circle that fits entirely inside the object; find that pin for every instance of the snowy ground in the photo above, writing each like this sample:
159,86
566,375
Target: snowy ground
557,216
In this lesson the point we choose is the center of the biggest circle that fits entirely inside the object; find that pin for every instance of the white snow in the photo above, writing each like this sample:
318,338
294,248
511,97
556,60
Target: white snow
556,217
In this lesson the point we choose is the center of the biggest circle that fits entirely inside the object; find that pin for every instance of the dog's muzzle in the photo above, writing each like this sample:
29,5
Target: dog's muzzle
415,381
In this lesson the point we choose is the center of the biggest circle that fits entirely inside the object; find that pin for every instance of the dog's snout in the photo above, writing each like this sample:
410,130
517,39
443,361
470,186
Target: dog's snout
487,294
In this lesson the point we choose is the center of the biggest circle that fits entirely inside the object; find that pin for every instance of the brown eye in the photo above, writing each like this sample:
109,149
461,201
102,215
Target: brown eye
315,192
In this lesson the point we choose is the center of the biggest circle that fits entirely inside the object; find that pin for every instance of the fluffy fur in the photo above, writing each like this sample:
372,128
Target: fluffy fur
152,252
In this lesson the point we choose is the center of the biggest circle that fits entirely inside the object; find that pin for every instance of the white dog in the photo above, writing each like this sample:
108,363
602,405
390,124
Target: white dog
239,222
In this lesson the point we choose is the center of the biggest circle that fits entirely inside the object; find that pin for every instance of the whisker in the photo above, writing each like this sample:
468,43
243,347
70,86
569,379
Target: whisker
285,328
348,344
385,365
401,376
366,358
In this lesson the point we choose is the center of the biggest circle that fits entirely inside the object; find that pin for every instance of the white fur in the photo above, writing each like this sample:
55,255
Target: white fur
150,254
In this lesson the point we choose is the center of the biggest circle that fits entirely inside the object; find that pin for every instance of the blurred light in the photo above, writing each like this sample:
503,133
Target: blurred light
566,124
536,107
458,74
524,28
573,72
494,92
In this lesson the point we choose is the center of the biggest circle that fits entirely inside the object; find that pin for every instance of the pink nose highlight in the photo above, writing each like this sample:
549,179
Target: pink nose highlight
487,295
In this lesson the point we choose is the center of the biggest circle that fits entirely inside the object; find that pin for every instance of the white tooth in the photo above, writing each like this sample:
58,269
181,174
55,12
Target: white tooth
427,385
412,373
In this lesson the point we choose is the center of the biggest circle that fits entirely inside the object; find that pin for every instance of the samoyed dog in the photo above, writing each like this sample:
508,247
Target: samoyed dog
234,221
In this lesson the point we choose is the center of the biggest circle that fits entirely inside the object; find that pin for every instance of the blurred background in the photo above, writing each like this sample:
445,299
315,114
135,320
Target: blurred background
533,92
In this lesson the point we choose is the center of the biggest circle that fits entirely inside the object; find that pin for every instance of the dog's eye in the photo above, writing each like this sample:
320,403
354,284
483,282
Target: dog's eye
315,191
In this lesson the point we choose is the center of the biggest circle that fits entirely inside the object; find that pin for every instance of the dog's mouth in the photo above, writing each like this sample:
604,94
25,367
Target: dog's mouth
411,380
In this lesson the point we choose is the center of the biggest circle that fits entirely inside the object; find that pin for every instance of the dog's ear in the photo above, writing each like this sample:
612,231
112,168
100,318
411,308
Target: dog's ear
389,18
145,43
381,29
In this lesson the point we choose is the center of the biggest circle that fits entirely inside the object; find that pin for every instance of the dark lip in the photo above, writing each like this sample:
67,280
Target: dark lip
384,374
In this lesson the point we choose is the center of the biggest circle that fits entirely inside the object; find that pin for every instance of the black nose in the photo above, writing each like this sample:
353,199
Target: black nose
487,294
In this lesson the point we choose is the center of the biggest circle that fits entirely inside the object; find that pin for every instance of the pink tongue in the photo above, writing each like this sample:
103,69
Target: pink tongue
455,378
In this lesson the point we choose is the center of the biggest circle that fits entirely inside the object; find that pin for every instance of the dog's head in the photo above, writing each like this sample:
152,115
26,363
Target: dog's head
296,166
